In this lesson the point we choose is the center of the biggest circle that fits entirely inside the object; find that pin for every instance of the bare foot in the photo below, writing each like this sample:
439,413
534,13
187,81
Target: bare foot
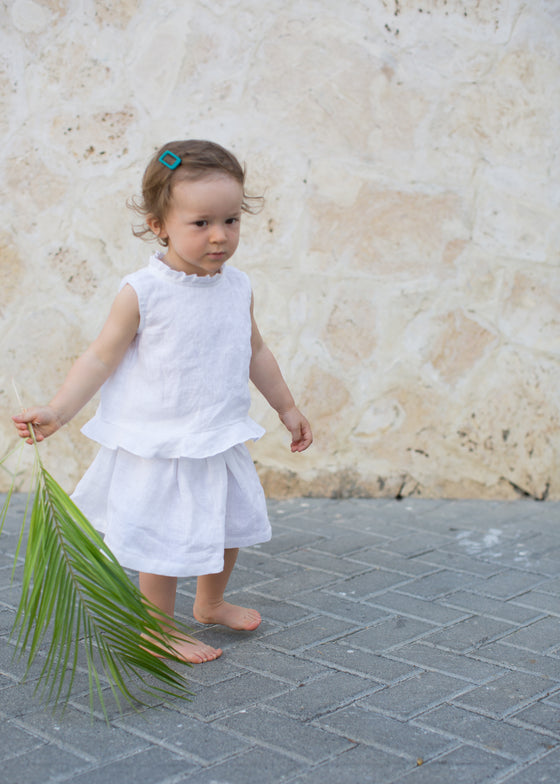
189,649
239,618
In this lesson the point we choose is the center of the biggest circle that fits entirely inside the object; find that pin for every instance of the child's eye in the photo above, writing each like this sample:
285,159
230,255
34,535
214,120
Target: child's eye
201,223
231,221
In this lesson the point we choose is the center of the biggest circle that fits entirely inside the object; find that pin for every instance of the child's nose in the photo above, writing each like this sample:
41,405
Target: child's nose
218,234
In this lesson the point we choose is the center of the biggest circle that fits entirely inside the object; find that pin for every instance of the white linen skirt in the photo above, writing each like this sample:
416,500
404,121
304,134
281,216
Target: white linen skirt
174,516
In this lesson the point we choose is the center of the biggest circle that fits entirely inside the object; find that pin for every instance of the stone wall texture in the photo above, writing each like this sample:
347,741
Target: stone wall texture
405,266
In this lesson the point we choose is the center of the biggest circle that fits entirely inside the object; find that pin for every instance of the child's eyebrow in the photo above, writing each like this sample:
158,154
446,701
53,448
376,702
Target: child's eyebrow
207,215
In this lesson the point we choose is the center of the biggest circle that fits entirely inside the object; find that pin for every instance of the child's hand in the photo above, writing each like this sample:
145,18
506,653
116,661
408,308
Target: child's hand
44,420
299,427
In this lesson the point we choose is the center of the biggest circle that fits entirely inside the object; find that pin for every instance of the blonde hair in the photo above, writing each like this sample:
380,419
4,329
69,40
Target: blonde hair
198,159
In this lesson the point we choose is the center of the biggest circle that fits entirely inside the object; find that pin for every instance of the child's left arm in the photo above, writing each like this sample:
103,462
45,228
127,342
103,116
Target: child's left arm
267,377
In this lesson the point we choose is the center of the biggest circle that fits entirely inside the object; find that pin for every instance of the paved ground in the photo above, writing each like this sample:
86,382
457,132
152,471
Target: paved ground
403,642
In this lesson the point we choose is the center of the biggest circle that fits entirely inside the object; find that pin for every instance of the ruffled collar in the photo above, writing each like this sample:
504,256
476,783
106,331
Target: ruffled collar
163,270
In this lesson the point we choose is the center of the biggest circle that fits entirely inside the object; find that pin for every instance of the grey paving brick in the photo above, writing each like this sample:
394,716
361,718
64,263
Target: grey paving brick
366,585
9,588
313,559
288,540
15,666
401,738
519,659
254,765
386,634
538,601
541,636
392,562
284,665
154,764
232,695
486,544
543,715
113,708
407,514
16,740
438,584
485,605
6,620
509,584
424,610
507,694
355,611
75,731
6,561
43,764
319,696
482,513
357,766
469,634
204,743
407,698
18,699
12,575
354,660
283,733
447,662
460,563
260,564
542,771
295,583
496,736
524,555
348,542
309,633
465,765
551,586
415,544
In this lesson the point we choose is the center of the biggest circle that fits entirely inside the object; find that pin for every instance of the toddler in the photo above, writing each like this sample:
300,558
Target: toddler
173,487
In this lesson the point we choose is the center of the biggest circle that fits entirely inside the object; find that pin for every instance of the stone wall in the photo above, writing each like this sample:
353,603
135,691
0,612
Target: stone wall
405,266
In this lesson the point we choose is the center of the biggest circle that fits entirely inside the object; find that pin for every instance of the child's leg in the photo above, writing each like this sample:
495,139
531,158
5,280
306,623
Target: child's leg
161,592
209,604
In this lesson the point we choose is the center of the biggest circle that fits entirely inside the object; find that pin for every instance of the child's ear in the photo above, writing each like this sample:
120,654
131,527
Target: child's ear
156,226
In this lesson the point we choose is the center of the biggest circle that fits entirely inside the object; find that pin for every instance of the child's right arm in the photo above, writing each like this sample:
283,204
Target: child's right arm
89,371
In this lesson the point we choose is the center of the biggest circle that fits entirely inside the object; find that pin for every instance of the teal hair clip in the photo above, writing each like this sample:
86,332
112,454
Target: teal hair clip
171,164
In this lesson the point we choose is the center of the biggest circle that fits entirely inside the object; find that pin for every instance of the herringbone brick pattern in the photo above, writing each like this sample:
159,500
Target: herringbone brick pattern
403,642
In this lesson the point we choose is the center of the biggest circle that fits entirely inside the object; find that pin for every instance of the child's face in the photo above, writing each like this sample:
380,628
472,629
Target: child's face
202,225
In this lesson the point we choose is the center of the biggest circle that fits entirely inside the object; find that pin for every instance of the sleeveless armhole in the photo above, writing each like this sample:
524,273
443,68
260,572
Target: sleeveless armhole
132,281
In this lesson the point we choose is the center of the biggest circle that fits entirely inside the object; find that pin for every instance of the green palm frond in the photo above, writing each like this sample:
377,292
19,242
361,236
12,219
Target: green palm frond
77,599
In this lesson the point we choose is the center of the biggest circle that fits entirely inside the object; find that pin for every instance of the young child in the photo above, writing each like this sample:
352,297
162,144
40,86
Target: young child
173,487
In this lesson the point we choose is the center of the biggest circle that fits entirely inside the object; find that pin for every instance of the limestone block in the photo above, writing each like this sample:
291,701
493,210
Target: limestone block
117,15
11,274
400,234
530,314
460,344
29,17
513,430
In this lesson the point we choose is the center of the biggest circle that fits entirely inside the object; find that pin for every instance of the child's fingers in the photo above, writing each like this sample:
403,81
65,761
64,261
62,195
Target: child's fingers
302,438
21,422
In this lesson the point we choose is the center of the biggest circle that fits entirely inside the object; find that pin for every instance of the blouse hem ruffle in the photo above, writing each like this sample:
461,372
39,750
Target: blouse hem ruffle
193,445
